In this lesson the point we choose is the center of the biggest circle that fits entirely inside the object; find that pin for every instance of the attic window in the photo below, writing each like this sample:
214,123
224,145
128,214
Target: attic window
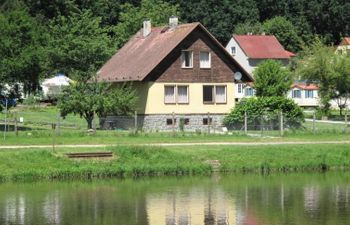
187,59
205,61
233,50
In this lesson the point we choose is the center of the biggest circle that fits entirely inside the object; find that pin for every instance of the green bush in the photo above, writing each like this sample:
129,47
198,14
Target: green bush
268,107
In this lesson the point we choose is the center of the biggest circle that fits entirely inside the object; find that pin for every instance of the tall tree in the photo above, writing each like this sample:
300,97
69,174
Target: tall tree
249,28
331,71
77,45
271,79
284,31
220,17
21,48
131,17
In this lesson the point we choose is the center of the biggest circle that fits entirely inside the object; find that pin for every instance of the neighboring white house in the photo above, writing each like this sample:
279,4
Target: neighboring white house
305,95
53,86
250,50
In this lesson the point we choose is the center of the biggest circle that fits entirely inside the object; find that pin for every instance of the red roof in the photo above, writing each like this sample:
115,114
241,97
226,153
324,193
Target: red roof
345,41
140,55
305,86
261,47
290,54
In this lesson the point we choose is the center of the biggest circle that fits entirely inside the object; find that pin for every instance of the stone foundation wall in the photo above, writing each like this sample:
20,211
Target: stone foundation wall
162,122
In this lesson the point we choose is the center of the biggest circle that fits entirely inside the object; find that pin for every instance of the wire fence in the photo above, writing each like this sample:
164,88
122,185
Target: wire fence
267,124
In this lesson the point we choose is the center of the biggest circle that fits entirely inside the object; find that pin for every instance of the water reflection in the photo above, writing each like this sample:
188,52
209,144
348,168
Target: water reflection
232,200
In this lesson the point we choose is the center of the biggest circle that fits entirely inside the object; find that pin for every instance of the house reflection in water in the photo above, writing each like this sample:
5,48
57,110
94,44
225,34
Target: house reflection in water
193,207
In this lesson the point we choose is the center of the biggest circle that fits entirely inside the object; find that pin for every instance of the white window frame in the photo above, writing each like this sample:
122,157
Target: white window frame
225,99
239,88
294,96
307,93
200,60
183,59
174,98
187,94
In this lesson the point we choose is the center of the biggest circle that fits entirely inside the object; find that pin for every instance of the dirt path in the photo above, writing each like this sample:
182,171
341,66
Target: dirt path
181,144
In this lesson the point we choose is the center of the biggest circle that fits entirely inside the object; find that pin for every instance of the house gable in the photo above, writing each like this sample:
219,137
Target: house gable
221,70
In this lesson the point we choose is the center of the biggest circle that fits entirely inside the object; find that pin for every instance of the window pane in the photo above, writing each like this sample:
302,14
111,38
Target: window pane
220,95
233,50
208,93
239,88
296,94
182,94
169,94
204,59
187,59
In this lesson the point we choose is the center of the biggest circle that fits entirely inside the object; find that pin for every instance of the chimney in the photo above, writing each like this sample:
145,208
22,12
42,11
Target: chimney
147,27
263,33
173,22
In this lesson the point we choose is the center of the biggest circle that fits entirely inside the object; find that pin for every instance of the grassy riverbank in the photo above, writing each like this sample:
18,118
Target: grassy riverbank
33,164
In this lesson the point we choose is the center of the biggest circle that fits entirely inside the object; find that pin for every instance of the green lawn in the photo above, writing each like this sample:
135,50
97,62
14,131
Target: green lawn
129,161
36,130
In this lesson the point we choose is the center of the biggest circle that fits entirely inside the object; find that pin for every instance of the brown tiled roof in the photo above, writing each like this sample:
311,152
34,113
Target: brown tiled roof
261,46
139,56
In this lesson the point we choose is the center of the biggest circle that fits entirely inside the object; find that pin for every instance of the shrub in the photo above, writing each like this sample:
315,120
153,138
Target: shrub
267,106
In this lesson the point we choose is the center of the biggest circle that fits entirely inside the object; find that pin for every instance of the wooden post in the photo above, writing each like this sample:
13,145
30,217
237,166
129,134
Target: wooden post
135,121
173,123
281,123
314,123
16,128
245,123
53,136
208,122
58,130
346,120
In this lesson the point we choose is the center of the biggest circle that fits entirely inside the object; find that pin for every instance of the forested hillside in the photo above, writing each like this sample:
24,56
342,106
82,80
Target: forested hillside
39,38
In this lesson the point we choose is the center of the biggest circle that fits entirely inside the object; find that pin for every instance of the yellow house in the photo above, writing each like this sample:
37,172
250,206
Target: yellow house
181,73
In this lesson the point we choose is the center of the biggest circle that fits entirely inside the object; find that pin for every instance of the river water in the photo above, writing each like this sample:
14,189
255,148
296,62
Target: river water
290,199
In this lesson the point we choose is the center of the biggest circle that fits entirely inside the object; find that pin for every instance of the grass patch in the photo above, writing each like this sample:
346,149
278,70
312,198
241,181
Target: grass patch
17,165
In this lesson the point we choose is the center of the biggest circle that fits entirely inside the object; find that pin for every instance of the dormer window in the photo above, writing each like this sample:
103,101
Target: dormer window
187,59
204,60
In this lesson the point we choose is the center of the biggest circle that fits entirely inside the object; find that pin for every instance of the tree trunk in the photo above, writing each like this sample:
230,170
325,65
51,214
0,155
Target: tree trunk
89,117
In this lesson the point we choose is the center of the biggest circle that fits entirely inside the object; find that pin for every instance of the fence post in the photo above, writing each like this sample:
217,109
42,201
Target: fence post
135,121
346,120
208,122
5,119
58,130
16,128
281,123
314,123
173,123
245,123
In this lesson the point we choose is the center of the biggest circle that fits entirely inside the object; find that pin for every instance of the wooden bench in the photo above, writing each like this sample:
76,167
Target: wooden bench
89,154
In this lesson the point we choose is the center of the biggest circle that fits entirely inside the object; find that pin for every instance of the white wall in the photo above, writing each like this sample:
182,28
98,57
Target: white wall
303,101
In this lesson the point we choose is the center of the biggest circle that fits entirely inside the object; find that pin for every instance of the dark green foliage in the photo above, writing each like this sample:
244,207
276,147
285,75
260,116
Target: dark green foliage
131,17
219,17
21,49
271,79
77,45
285,32
267,107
